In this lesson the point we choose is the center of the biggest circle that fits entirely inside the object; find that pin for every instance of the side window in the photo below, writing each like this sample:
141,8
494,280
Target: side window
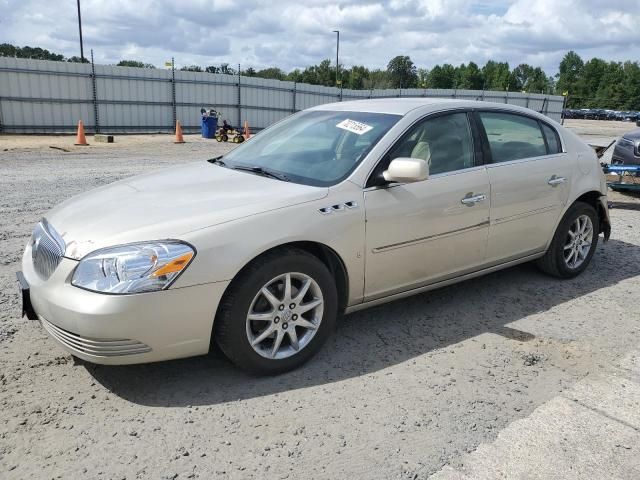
445,142
512,137
553,142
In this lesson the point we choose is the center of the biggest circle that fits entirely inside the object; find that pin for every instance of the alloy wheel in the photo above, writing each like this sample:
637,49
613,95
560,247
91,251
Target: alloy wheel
578,242
284,315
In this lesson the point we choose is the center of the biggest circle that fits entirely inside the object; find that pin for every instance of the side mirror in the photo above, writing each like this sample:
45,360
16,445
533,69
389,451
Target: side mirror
406,170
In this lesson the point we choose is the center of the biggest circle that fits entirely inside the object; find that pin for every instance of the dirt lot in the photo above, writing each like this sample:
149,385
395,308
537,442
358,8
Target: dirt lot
399,391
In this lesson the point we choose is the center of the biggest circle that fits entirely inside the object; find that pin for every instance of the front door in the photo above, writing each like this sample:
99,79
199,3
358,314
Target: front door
422,232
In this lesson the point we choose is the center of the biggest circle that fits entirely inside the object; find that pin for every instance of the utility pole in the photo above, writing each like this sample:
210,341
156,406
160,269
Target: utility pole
80,29
337,32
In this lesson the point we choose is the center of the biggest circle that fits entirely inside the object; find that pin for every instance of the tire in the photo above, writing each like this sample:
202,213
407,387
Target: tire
218,138
555,261
234,329
224,138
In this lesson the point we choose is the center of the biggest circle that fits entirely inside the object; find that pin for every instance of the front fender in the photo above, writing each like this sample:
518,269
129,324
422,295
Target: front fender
223,250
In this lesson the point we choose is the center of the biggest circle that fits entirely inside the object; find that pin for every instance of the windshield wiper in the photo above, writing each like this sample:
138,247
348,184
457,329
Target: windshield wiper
263,171
217,161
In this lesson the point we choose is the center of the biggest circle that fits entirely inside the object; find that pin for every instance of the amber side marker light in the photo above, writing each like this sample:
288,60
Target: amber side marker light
174,265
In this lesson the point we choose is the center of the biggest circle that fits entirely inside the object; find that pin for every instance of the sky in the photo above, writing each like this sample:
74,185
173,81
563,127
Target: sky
295,34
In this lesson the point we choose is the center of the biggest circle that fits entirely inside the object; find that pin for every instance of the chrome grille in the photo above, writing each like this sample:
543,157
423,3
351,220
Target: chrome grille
95,346
47,249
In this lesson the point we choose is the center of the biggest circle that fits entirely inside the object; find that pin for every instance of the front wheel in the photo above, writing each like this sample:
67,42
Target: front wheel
277,313
573,244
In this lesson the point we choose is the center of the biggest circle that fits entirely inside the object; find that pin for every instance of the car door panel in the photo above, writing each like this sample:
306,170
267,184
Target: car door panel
524,204
420,232
529,177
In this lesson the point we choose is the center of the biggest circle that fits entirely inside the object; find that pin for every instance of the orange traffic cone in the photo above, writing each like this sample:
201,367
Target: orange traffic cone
80,138
179,137
247,132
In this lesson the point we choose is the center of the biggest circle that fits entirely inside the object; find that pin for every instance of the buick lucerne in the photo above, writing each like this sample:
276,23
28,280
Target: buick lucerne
331,210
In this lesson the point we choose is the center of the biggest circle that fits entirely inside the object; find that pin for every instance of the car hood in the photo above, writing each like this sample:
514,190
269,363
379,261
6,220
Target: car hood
168,203
633,135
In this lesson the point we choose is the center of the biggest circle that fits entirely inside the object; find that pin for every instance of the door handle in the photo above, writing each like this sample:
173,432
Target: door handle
553,181
473,199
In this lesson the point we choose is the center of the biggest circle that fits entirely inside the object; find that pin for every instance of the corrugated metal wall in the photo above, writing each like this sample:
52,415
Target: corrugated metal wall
39,96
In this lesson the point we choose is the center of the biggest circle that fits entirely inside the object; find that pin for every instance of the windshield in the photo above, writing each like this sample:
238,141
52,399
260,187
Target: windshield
313,147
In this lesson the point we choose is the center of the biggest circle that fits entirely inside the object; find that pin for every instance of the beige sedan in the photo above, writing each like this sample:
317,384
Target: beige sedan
334,209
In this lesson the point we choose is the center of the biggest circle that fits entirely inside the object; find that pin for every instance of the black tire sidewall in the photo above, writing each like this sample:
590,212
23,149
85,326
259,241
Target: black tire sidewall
232,317
574,212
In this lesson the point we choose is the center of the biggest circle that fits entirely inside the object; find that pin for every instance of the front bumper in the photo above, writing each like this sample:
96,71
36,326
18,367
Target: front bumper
123,329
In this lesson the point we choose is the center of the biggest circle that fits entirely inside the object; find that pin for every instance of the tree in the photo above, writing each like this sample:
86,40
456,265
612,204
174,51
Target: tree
322,74
442,76
191,68
357,76
226,69
589,83
37,53
402,72
377,79
538,82
496,75
520,76
294,75
134,63
570,72
75,59
273,72
631,85
468,77
423,75
611,92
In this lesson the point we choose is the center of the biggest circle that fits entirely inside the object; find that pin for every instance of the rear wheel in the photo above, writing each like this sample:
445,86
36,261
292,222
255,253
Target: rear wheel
224,138
277,313
573,244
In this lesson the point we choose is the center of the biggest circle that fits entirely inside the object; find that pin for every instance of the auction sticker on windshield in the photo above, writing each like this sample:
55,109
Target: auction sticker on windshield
354,127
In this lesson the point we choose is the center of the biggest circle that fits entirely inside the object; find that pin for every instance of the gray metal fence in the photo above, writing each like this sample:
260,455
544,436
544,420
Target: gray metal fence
38,96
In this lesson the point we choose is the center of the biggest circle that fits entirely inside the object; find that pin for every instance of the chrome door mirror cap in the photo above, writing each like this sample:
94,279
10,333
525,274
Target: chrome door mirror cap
406,170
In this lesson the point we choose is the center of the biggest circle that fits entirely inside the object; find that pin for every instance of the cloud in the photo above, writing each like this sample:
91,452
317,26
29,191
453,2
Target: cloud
261,33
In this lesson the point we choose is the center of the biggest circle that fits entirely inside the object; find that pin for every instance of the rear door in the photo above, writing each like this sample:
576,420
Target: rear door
530,176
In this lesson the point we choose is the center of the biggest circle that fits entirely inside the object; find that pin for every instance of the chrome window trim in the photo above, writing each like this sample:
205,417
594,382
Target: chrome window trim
523,160
437,175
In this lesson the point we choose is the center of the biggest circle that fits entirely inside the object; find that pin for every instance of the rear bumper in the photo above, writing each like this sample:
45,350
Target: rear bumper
123,329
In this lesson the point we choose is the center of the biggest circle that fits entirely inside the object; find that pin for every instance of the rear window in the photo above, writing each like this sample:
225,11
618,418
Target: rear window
512,137
553,142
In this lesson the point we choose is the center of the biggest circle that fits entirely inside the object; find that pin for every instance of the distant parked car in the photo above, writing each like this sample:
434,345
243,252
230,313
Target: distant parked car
337,208
627,149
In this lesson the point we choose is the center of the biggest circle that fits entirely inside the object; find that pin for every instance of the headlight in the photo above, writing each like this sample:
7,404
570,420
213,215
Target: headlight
135,268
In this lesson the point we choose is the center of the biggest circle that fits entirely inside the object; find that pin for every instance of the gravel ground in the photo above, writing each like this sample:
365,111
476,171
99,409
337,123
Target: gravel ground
398,392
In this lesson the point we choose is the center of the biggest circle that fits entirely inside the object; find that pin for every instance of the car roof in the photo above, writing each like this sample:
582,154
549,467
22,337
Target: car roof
402,106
